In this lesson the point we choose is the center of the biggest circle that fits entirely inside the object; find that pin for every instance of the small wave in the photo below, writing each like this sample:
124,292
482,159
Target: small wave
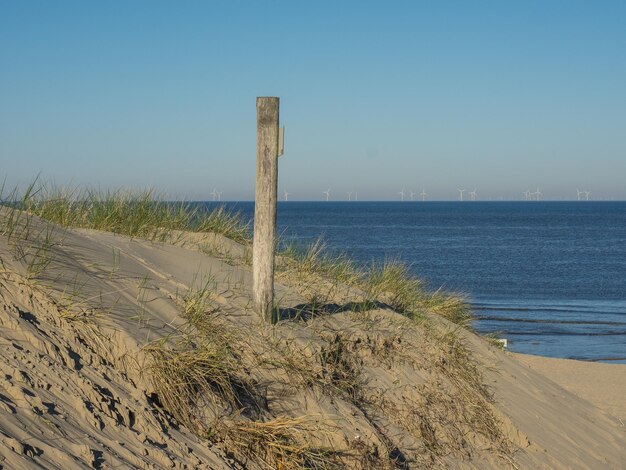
556,322
555,333
605,359
562,309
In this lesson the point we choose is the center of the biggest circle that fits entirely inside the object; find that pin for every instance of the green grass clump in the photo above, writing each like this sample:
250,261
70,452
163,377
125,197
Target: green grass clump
221,221
451,306
316,275
32,245
315,260
390,283
141,214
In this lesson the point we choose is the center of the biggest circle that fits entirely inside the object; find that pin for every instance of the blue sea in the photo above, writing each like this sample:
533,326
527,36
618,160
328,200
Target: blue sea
548,276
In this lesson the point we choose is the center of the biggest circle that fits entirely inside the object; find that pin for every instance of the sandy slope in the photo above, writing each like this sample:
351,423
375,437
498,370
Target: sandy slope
602,384
76,389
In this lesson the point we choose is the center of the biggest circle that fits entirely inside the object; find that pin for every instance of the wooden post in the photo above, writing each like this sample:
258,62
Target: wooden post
264,240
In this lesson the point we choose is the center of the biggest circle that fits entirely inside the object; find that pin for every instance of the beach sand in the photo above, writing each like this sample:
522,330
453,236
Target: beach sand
602,384
84,341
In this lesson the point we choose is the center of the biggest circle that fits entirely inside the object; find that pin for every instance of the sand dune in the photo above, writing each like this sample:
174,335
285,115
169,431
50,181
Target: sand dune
94,349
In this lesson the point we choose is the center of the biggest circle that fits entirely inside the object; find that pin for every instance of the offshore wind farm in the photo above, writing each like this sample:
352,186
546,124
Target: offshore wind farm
462,195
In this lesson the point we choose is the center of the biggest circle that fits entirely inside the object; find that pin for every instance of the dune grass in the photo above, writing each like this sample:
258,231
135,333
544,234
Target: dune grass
199,378
199,365
142,214
280,443
188,373
146,214
315,259
315,273
32,245
392,283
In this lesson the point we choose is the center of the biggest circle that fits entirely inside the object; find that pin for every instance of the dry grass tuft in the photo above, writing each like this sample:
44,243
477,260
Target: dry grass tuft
192,377
369,457
457,363
452,411
393,284
340,369
463,371
200,370
203,383
330,367
280,443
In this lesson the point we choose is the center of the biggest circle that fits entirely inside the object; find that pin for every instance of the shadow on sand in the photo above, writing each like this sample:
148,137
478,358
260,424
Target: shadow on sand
308,311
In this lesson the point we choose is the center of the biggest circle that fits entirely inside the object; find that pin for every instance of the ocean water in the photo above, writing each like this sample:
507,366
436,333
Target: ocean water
548,276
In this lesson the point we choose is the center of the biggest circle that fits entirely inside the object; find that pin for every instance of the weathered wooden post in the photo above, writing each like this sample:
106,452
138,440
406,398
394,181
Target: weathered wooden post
264,239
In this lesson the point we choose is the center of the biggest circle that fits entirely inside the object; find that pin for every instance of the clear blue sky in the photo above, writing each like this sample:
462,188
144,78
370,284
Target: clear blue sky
375,96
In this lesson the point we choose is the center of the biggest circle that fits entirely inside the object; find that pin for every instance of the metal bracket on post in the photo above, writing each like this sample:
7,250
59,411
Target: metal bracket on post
268,148
281,140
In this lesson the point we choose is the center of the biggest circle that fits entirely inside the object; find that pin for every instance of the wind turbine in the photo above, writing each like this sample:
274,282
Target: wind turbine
349,193
461,191
214,194
527,194
423,194
587,193
578,193
219,195
412,195
401,193
537,193
473,195
327,192
286,196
